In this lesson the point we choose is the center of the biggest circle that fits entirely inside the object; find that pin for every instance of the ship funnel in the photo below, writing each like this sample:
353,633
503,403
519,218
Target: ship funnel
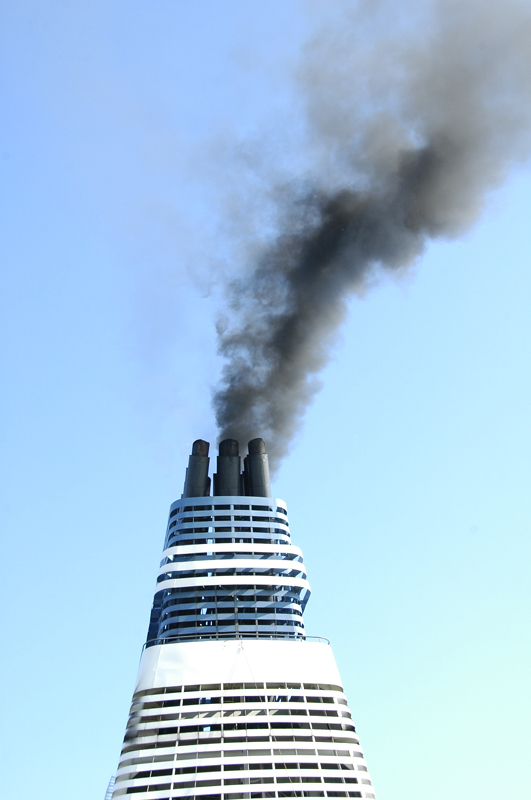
197,482
227,480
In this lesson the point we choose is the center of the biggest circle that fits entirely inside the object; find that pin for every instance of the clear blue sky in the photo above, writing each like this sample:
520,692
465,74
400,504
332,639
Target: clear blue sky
408,488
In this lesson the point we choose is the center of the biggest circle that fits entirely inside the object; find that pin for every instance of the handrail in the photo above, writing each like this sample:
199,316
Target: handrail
213,636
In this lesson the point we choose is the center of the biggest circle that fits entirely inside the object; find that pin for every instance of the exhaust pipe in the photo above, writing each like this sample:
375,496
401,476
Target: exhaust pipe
197,482
256,470
227,480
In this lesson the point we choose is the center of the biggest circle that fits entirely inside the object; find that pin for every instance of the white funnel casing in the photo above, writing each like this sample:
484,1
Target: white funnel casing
233,700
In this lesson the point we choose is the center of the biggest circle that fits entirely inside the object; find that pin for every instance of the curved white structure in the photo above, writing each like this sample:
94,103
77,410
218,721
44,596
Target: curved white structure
233,701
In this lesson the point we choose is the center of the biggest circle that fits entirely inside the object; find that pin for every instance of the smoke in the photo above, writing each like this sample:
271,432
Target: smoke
411,120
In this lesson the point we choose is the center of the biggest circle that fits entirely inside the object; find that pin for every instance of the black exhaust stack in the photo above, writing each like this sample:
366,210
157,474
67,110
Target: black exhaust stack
227,480
256,470
197,482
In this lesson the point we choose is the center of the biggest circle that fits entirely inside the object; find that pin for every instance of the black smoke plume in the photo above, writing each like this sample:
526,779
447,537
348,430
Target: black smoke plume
411,121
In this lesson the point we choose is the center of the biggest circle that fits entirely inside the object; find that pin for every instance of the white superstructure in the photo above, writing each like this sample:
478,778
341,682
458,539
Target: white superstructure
233,701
